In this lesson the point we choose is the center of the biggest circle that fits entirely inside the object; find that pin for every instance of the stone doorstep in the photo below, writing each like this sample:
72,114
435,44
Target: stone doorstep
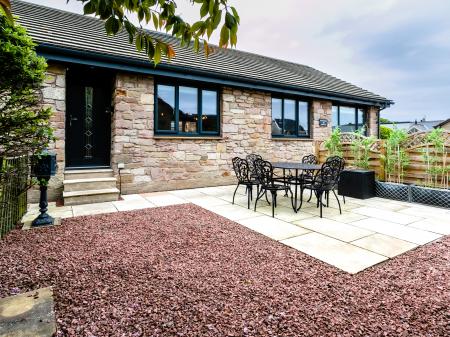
29,314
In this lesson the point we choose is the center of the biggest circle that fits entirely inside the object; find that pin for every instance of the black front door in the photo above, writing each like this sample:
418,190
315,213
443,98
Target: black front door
88,117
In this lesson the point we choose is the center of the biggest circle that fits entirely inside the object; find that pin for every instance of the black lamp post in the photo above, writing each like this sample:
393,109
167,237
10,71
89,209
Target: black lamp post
43,167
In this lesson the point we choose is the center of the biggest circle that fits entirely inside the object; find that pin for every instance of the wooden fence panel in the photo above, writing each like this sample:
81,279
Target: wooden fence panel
414,146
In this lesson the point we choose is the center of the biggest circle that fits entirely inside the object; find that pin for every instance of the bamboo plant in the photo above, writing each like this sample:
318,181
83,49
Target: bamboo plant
396,159
435,157
360,148
334,144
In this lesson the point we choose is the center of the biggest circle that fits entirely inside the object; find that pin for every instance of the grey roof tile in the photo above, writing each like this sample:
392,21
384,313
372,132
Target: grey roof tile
49,26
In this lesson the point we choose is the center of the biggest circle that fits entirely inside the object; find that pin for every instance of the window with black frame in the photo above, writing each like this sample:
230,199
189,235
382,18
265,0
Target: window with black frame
348,118
186,110
290,117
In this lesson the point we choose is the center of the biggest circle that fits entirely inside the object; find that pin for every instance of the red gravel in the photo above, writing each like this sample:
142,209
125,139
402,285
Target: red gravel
183,271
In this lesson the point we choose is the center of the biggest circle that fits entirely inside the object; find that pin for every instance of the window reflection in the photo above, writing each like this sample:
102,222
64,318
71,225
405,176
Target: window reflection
188,110
209,111
166,108
303,119
277,118
289,118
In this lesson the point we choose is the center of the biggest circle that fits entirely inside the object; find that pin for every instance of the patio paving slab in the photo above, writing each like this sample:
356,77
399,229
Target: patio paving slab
132,202
384,245
232,212
436,225
91,209
164,199
426,211
340,254
378,213
345,217
207,200
273,228
406,233
30,314
335,229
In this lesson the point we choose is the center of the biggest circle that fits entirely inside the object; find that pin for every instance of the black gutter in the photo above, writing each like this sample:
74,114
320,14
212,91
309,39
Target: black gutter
55,53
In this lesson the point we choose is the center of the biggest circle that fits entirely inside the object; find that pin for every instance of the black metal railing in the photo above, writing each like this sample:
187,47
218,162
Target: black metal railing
14,173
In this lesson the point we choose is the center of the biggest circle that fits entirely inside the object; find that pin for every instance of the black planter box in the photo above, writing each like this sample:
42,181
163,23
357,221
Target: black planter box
358,184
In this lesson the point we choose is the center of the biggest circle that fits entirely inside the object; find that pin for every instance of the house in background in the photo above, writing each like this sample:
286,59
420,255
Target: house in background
179,124
418,126
444,124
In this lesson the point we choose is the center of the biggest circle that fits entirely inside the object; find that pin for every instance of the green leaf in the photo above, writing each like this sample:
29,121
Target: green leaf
139,42
155,21
196,26
112,26
89,8
217,18
204,9
236,15
157,54
212,4
229,20
224,36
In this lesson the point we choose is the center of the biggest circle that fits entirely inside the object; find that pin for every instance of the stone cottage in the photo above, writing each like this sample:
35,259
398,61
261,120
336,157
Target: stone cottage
121,122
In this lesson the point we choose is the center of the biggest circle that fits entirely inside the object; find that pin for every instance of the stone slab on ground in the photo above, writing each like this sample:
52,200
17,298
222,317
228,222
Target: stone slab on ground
29,314
27,224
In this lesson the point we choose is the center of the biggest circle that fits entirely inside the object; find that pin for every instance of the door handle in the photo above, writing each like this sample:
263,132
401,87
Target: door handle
72,119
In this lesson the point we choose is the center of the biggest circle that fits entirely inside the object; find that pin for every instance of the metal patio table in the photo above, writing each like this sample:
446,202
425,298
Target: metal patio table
297,167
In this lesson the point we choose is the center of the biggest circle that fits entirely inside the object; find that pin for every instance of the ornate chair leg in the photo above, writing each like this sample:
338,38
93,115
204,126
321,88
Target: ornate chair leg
234,194
339,204
274,201
320,201
267,199
261,192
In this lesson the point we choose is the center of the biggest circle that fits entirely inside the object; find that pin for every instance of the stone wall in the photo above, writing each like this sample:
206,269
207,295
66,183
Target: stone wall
54,96
154,163
372,118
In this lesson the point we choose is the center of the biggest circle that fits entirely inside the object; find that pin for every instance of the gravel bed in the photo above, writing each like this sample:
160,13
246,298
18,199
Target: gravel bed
184,271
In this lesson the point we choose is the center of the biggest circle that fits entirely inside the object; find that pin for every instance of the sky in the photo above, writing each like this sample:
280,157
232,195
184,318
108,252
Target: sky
399,49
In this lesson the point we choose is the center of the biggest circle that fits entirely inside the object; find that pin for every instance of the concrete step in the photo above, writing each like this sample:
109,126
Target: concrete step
87,174
90,196
85,184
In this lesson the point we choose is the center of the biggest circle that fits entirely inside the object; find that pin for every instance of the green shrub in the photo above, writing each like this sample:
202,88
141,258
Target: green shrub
24,124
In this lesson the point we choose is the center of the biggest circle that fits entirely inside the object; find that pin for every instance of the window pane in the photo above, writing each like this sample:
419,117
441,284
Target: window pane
334,116
361,118
289,117
277,122
303,122
166,108
347,119
209,111
187,106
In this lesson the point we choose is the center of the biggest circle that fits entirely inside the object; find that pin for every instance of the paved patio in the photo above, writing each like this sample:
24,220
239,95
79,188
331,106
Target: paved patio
368,231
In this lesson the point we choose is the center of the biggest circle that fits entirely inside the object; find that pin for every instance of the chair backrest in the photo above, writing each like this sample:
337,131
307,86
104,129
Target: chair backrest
335,160
264,172
241,169
251,159
328,176
309,159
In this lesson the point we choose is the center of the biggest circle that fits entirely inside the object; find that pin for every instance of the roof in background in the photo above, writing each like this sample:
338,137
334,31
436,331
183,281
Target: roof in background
419,125
442,123
85,36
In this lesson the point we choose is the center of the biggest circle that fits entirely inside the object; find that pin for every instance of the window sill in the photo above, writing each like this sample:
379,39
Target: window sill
187,137
295,139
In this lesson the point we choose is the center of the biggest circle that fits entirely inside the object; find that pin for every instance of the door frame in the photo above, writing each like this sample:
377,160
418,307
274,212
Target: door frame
76,74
